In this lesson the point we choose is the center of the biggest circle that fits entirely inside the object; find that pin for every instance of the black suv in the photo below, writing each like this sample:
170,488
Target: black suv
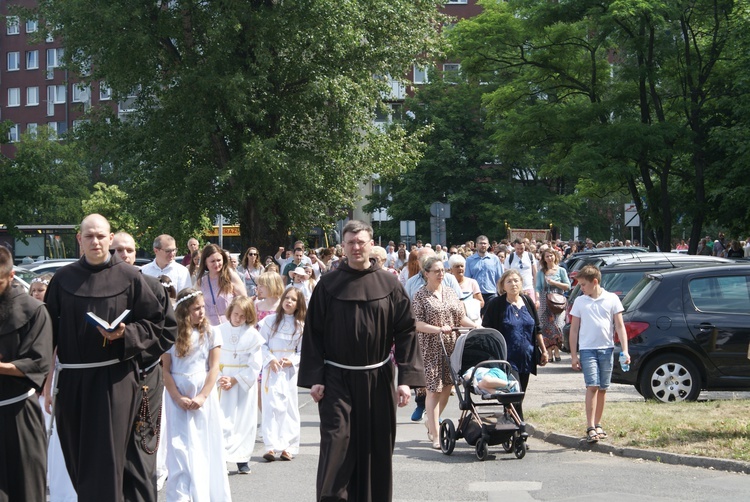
619,277
688,330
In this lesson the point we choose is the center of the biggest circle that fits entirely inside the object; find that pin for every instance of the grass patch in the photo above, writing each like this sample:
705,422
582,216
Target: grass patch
719,429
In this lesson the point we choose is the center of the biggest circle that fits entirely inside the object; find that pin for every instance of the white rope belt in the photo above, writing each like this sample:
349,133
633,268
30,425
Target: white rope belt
359,368
83,366
14,400
151,366
71,366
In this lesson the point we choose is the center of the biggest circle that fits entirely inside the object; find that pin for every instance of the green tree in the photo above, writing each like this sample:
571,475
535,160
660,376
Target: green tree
460,166
616,93
260,110
43,184
112,203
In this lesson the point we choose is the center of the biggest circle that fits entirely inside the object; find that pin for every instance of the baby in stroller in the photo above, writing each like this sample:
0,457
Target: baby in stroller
491,380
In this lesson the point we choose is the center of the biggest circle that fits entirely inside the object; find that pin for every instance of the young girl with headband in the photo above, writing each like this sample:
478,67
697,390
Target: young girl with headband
195,442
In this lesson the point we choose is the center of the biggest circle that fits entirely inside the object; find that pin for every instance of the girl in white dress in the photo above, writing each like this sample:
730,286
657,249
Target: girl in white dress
195,441
282,334
239,368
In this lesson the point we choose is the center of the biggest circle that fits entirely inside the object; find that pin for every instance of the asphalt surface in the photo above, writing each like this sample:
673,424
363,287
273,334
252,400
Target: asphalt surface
555,468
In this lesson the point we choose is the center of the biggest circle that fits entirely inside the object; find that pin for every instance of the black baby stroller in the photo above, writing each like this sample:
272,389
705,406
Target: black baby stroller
484,348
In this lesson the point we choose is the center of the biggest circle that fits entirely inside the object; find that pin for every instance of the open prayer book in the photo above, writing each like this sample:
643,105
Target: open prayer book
95,320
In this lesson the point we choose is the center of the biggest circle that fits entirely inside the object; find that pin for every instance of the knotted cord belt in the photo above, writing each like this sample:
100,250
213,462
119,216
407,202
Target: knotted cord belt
17,399
359,368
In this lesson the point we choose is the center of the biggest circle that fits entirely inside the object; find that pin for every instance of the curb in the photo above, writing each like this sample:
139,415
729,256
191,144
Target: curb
663,457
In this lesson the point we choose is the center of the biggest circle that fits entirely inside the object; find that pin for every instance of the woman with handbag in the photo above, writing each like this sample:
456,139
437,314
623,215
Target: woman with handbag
514,315
551,285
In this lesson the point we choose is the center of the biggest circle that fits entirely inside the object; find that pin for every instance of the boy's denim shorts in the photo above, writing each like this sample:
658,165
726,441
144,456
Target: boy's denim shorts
596,365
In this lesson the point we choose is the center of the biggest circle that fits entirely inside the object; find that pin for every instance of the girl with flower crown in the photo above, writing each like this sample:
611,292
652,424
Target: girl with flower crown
195,441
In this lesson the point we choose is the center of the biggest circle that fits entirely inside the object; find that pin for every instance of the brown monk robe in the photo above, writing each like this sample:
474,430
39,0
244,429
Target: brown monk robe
25,356
96,406
356,314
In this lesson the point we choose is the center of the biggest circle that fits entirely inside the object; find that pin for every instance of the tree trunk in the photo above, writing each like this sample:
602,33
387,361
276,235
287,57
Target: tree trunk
255,231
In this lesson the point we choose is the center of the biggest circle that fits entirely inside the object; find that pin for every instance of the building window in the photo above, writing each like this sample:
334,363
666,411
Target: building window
57,129
13,134
449,2
105,93
12,25
451,67
31,129
420,75
32,96
77,124
13,61
14,96
55,96
32,60
32,25
54,60
80,93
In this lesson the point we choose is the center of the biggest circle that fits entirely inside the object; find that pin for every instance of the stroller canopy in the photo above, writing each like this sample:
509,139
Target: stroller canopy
476,346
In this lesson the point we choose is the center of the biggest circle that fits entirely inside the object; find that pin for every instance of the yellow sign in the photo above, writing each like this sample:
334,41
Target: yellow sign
227,231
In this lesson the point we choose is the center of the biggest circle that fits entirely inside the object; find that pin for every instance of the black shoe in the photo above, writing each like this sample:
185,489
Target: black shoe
243,468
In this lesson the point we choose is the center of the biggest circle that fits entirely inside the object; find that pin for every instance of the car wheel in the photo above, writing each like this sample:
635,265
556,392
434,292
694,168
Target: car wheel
670,378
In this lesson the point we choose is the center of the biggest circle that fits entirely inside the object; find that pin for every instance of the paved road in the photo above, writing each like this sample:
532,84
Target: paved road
548,472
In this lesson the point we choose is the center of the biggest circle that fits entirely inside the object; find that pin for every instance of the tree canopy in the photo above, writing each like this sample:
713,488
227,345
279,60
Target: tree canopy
622,95
260,110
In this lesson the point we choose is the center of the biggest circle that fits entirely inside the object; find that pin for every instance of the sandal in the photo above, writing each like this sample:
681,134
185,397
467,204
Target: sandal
591,435
270,456
600,432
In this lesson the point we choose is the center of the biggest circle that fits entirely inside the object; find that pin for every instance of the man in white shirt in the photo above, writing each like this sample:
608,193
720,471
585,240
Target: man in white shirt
165,250
440,252
526,264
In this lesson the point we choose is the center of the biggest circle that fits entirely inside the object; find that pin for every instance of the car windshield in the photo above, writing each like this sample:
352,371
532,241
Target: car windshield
26,275
640,292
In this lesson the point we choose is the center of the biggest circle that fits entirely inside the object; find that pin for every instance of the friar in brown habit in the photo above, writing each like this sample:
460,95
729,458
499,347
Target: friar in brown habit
356,314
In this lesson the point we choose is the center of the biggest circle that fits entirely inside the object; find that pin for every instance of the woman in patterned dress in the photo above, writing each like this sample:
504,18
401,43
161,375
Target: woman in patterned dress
551,279
437,310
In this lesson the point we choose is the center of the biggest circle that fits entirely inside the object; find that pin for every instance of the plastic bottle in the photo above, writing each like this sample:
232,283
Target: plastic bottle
625,366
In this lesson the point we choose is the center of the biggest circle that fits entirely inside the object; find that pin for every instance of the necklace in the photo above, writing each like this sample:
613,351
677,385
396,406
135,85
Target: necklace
234,337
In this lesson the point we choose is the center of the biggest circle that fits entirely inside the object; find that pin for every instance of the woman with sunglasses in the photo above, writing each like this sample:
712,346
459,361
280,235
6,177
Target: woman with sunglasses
437,311
250,268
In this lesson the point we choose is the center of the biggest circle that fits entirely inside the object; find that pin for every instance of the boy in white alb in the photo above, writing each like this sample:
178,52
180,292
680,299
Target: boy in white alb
596,316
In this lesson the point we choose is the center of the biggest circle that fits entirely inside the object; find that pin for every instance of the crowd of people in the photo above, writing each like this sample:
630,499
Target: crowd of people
225,343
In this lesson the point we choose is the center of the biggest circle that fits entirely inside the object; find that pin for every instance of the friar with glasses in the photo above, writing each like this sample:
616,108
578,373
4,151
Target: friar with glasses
140,482
165,250
25,357
356,314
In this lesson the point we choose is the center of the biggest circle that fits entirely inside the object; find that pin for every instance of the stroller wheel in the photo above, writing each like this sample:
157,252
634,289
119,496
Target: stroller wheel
520,448
482,449
508,445
447,437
